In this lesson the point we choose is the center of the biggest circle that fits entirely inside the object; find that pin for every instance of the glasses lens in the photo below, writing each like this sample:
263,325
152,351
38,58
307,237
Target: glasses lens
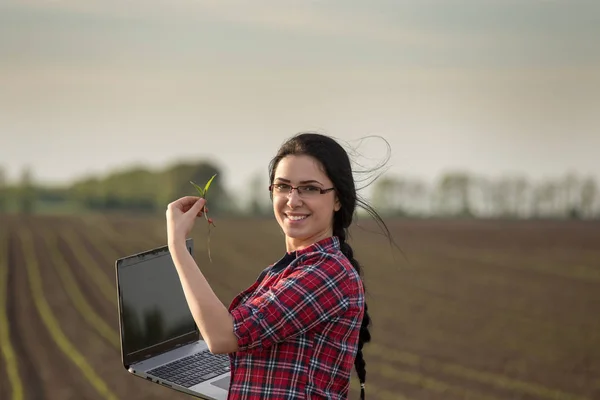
281,188
308,191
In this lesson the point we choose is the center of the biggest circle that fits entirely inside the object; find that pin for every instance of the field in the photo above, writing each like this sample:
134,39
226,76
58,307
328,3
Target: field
476,310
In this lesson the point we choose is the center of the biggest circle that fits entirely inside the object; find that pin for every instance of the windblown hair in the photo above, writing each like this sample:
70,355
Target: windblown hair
336,164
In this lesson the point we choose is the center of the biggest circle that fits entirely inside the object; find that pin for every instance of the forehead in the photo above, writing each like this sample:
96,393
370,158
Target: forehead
300,168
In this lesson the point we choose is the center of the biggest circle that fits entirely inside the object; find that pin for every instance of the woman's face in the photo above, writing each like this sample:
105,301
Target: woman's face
305,217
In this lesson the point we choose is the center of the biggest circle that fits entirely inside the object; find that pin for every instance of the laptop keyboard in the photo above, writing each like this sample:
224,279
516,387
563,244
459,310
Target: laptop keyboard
194,369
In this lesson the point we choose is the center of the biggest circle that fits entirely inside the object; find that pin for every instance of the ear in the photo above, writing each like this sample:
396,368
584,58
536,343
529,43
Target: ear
337,205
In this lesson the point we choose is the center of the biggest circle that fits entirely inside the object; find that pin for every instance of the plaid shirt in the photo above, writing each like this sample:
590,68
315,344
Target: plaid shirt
297,327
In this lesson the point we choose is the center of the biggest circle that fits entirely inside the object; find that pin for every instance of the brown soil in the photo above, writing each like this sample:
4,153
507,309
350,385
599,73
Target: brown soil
483,310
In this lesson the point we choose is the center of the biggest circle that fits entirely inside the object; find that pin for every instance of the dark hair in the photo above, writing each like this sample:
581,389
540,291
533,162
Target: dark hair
336,163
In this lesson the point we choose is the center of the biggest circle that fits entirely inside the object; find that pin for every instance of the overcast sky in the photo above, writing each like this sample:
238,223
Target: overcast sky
490,86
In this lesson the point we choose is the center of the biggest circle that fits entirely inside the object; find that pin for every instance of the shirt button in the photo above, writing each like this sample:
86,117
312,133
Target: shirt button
260,315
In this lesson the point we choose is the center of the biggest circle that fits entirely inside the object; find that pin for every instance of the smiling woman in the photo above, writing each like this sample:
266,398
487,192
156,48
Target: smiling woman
298,330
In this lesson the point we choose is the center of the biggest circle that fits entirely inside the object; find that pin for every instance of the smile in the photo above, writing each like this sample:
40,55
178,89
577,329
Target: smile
296,217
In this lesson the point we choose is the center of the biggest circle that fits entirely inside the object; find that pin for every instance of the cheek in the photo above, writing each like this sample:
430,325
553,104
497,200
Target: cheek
278,203
324,212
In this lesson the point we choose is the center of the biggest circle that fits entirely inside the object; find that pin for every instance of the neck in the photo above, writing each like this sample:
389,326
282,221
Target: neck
295,244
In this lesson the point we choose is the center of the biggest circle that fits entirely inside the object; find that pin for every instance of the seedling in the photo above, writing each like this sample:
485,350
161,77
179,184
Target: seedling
203,192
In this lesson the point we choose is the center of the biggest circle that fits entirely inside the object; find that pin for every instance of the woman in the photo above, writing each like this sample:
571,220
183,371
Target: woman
299,329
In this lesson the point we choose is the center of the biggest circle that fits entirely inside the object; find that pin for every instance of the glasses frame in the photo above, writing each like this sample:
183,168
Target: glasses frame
292,188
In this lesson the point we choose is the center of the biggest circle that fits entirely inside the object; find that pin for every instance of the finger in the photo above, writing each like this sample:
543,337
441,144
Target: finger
197,207
184,203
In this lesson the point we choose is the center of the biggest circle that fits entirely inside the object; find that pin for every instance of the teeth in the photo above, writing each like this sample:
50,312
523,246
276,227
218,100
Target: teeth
296,218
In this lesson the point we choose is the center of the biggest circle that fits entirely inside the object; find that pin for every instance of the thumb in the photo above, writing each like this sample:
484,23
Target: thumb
198,206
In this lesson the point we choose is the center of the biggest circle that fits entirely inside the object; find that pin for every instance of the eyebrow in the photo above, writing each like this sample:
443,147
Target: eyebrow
301,182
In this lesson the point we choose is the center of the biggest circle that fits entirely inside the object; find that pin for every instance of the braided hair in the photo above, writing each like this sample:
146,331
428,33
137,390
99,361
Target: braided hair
364,335
336,164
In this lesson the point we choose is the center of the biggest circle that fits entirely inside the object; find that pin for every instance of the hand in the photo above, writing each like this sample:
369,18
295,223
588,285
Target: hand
181,215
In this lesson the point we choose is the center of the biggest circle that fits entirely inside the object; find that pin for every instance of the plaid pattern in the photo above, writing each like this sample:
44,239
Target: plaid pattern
297,329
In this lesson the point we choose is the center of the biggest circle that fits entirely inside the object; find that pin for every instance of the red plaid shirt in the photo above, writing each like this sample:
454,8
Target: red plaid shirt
297,327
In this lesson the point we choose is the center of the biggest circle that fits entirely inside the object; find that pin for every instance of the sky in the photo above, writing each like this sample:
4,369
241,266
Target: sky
492,87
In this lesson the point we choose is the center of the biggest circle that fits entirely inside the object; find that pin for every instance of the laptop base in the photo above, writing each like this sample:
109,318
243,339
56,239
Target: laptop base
214,387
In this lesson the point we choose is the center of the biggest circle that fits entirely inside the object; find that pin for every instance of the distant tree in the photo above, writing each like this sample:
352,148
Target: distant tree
403,196
384,195
520,191
569,187
500,197
454,190
3,191
509,196
416,195
399,198
588,197
482,195
89,192
536,200
132,189
548,199
258,195
26,195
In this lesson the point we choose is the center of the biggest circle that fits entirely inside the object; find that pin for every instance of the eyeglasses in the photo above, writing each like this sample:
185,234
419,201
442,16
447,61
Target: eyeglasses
303,191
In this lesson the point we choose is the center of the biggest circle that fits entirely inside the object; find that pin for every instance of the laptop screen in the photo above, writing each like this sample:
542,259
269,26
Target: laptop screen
153,306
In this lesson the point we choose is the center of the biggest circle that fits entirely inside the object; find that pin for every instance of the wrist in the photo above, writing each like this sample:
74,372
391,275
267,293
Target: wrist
177,244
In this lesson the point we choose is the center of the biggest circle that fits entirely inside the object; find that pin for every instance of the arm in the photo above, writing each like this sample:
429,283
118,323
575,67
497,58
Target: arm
316,292
212,317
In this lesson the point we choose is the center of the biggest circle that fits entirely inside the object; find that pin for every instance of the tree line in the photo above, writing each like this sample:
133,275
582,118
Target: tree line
453,194
136,189
463,194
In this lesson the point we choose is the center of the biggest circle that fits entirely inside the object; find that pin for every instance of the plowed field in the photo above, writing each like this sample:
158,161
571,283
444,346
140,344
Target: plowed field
480,310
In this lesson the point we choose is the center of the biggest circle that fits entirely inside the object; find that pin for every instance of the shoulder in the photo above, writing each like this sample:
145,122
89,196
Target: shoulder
325,259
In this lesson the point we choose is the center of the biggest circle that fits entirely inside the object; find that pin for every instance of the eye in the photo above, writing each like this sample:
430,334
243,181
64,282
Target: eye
281,187
310,188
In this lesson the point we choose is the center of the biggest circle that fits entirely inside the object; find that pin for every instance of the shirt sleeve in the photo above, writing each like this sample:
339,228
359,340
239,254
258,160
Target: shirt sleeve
311,295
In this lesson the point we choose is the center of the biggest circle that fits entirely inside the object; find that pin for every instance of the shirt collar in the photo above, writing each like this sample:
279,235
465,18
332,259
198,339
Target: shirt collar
324,245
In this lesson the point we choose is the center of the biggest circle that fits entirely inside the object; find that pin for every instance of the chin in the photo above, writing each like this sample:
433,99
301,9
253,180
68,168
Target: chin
295,233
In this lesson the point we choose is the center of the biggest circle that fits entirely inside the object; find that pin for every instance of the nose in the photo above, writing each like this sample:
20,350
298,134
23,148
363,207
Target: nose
294,199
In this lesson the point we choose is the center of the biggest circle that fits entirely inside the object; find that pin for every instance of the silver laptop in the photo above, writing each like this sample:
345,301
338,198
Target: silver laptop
160,341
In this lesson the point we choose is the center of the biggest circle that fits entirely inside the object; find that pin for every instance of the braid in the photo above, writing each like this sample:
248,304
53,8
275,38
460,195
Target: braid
364,335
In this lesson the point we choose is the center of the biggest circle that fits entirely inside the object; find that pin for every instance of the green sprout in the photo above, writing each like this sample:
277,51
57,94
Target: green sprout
203,192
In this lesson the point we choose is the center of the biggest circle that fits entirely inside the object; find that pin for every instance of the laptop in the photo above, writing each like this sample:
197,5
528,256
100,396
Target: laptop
160,341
